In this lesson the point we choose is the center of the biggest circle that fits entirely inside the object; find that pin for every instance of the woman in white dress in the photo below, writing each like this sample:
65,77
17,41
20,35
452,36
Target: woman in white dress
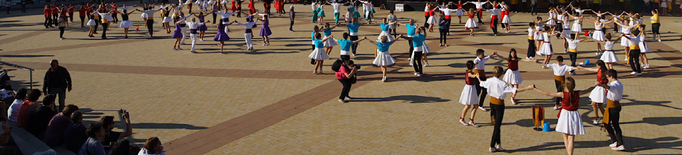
318,54
330,43
383,58
643,46
469,97
598,34
598,95
608,56
471,23
125,22
569,123
92,22
546,48
433,18
577,23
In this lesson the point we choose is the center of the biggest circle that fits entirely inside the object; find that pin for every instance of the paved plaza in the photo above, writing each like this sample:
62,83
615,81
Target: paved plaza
268,101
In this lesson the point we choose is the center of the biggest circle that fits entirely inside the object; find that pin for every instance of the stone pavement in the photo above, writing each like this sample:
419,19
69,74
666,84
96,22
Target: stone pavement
267,101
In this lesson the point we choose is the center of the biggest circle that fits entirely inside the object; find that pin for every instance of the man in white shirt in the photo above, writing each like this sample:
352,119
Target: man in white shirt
613,108
479,8
226,18
559,69
337,9
193,25
247,34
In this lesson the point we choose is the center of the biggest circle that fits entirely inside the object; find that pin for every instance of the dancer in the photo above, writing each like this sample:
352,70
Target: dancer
183,26
202,28
634,53
530,54
612,112
383,58
177,34
609,57
330,43
569,123
498,90
318,54
512,76
125,21
538,36
265,30
385,30
369,10
81,13
70,9
598,95
506,21
222,35
552,20
353,29
573,48
345,44
577,23
165,18
417,43
94,16
625,31
433,19
106,17
460,10
546,48
494,15
479,9
479,69
62,26
248,33
643,46
193,27
226,18
559,69
316,10
469,97
320,14
471,23
598,34
150,20
337,9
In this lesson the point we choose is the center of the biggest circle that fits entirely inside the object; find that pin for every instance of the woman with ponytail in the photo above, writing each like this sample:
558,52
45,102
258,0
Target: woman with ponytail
598,95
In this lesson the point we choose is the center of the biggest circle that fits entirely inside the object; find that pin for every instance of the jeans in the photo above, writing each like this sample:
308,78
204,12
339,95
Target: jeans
573,56
533,9
496,111
531,48
395,33
346,87
614,117
559,88
443,36
417,62
354,47
61,32
634,60
61,93
291,25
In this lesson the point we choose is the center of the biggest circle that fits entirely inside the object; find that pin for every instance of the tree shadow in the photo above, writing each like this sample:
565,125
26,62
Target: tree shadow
652,103
408,98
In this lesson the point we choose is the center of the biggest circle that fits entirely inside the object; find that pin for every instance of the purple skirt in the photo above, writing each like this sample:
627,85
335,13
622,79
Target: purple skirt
177,34
221,36
265,31
202,28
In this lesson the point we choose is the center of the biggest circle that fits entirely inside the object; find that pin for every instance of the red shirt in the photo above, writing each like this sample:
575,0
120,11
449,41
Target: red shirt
513,64
114,8
599,75
341,74
48,12
573,106
55,10
70,9
459,6
469,80
22,118
81,12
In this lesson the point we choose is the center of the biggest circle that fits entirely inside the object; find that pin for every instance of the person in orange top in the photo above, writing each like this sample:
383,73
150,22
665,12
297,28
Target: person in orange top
28,105
48,19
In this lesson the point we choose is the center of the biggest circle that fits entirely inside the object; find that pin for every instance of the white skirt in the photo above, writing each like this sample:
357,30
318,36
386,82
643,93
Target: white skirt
144,15
318,54
624,42
577,27
469,95
506,19
459,12
166,20
598,95
471,23
570,123
383,59
92,22
329,43
566,33
598,36
538,37
125,24
512,77
546,49
551,22
432,20
609,57
425,49
644,47
387,34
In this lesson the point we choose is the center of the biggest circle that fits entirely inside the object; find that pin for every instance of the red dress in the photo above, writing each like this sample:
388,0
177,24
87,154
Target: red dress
251,7
234,7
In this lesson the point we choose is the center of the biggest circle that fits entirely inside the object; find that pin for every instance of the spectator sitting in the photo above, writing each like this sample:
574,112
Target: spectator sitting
74,134
4,139
55,129
27,106
121,148
152,146
108,124
13,111
40,118
93,146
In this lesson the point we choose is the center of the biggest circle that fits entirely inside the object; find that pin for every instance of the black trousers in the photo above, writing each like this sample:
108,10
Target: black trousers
495,23
115,16
312,61
481,92
395,33
97,22
54,20
48,22
447,25
634,60
614,117
533,9
417,62
345,57
409,42
559,88
426,21
573,56
83,21
497,112
71,16
104,29
531,48
478,15
443,36
346,87
150,25
291,25
354,47
214,17
61,32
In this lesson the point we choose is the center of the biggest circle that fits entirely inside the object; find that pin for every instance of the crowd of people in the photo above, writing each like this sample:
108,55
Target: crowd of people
562,21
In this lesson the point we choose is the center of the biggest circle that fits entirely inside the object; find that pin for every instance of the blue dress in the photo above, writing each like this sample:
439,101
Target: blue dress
221,36
265,28
202,27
